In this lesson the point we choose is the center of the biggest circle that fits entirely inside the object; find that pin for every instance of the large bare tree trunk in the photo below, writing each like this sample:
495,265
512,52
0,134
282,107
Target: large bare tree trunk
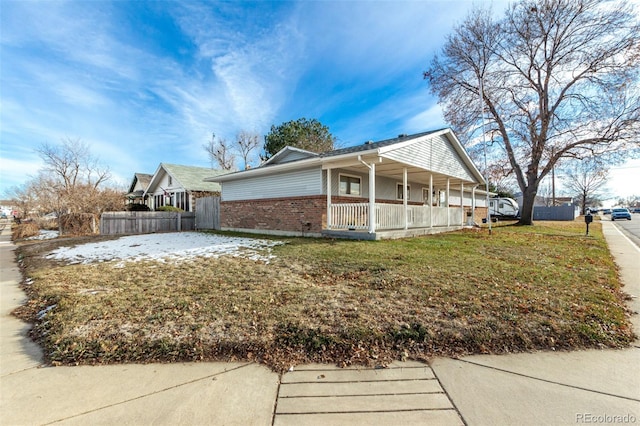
526,210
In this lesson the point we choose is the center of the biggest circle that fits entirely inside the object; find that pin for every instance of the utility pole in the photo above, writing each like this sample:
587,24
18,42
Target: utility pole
484,144
553,181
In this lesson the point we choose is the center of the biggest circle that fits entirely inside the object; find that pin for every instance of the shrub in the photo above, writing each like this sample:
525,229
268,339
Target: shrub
168,209
138,208
48,224
79,224
24,230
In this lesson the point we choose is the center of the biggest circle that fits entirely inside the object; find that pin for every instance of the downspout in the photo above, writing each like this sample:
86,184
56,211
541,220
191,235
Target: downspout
329,219
404,198
448,215
431,200
462,202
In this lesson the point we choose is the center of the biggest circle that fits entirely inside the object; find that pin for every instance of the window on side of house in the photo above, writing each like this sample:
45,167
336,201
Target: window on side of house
425,195
400,193
170,181
350,185
182,200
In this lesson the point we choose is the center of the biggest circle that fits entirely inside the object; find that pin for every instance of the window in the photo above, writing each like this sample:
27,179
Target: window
182,200
350,185
425,195
170,181
400,193
442,198
158,201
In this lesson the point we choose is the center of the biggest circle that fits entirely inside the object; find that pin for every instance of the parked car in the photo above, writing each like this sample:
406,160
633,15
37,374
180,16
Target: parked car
606,211
620,214
636,210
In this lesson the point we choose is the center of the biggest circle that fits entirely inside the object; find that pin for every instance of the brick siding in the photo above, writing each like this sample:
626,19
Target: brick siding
301,214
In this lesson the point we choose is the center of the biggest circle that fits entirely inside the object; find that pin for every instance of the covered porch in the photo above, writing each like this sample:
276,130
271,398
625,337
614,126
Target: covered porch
445,202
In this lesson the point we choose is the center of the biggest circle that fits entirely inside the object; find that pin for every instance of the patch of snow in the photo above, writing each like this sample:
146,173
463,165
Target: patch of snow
44,235
174,246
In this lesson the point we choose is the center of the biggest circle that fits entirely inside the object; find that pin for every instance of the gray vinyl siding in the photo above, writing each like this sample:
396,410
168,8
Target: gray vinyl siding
435,154
287,184
292,156
335,182
385,187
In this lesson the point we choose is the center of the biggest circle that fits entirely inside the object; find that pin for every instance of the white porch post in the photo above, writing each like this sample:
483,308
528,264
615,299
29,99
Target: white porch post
328,198
447,203
372,198
462,201
404,197
473,205
431,200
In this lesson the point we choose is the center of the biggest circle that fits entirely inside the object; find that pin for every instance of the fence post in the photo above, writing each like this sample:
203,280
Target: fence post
179,224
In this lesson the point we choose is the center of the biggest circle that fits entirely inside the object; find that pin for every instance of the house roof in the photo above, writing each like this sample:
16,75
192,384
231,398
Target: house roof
280,156
190,178
371,150
143,179
370,145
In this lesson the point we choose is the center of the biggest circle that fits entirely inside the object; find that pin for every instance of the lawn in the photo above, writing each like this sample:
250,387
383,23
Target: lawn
347,302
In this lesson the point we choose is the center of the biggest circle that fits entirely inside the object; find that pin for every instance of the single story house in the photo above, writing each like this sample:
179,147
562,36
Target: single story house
409,185
179,186
139,184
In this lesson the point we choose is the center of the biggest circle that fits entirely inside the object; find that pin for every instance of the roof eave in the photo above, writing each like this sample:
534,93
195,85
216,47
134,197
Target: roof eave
261,171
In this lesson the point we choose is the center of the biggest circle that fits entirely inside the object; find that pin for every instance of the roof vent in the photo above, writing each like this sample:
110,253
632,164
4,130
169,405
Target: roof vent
402,135
368,142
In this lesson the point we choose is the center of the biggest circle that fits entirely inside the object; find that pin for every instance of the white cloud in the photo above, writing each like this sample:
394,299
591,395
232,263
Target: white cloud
253,68
95,71
430,118
14,172
624,180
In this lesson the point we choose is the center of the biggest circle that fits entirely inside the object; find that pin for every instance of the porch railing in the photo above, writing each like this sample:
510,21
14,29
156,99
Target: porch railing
350,216
391,216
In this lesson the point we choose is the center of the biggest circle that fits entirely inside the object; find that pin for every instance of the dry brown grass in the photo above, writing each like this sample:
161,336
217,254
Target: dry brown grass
521,289
24,230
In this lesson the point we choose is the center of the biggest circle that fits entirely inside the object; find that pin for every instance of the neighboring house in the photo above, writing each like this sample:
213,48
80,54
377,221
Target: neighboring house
409,185
137,188
180,186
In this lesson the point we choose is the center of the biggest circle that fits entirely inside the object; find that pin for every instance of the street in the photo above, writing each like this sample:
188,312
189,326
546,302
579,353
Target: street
630,228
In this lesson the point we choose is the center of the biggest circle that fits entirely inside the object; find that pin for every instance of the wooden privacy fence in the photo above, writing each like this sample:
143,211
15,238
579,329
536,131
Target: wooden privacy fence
554,213
208,213
114,223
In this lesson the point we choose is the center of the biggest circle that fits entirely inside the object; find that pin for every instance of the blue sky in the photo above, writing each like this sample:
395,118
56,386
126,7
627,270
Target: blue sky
148,82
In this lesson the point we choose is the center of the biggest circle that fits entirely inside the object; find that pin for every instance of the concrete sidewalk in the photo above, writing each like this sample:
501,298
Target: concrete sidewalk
548,388
540,388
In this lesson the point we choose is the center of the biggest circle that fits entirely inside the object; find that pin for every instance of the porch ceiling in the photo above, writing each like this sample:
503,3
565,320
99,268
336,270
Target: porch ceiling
394,170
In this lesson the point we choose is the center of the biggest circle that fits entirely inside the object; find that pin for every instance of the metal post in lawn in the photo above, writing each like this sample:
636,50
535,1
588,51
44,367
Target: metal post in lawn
484,144
588,218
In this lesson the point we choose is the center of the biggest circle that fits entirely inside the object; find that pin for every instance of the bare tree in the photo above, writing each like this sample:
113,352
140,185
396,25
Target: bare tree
71,163
584,178
629,201
220,153
70,175
247,143
71,181
558,79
